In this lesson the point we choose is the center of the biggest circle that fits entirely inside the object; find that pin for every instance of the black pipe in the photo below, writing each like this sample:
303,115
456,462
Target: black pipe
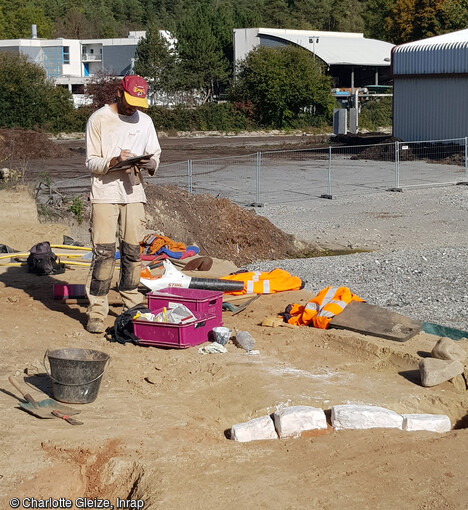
213,284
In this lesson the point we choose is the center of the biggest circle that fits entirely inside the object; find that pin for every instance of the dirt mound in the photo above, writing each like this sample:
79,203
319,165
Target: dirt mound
21,144
217,226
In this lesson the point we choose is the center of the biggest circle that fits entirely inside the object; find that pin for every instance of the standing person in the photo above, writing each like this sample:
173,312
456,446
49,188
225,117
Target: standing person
115,133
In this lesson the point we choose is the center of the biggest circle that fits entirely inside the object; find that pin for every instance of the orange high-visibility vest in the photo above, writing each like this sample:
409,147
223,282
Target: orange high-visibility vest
257,282
321,309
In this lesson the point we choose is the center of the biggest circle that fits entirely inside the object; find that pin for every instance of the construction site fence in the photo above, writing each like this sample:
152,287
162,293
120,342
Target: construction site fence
284,176
327,172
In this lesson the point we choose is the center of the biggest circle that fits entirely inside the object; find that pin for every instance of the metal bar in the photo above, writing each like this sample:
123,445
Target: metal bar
466,158
189,174
397,165
328,195
257,184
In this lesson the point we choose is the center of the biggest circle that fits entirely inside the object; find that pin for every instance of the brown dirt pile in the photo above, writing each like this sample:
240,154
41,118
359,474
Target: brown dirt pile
217,226
21,144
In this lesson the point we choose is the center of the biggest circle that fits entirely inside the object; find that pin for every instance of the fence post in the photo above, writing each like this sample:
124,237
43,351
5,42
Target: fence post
397,169
329,193
257,202
257,184
466,158
189,176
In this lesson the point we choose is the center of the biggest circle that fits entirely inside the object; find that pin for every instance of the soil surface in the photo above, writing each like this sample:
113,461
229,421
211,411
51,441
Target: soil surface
158,429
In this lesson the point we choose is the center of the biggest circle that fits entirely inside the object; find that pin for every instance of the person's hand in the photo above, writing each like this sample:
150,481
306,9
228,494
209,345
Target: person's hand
149,165
126,154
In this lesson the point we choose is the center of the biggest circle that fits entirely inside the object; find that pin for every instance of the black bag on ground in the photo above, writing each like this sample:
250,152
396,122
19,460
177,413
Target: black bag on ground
123,325
42,260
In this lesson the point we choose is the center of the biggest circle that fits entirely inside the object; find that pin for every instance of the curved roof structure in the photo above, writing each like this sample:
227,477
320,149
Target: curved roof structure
442,54
333,48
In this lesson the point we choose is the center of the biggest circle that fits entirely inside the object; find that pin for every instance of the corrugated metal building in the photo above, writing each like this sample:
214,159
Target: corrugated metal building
430,88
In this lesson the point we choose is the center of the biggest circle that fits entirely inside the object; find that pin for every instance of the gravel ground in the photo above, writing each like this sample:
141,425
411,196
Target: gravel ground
418,265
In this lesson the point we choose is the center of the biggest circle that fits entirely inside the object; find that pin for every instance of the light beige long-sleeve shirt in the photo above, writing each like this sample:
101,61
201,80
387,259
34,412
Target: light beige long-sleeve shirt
107,134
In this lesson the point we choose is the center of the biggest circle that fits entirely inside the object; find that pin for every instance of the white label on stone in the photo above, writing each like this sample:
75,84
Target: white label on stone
430,422
351,416
254,430
291,421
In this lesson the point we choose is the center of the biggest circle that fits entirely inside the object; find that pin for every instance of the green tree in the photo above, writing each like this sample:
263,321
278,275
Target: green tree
201,63
276,14
348,16
27,98
400,24
17,21
281,83
411,20
312,14
454,14
426,21
376,16
155,60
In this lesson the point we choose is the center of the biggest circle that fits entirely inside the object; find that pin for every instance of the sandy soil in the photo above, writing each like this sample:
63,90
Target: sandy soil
158,430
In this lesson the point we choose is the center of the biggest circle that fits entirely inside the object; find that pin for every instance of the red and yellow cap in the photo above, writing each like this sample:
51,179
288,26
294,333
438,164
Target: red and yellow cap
135,90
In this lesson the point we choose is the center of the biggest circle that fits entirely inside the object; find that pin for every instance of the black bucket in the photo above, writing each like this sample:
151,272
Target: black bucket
76,374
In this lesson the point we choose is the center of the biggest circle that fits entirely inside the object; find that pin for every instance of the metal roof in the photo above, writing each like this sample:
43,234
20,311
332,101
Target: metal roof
336,48
442,54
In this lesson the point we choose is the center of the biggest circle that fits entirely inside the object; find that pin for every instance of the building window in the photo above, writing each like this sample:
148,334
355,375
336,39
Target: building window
66,54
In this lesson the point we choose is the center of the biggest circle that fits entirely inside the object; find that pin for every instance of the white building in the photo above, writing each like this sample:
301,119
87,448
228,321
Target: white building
351,59
430,83
71,62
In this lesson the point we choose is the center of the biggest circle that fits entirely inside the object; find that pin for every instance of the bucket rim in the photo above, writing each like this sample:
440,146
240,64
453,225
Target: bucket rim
54,354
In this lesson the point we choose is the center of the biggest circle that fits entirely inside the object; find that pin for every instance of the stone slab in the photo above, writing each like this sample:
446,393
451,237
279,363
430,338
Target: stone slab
429,422
291,421
353,416
254,430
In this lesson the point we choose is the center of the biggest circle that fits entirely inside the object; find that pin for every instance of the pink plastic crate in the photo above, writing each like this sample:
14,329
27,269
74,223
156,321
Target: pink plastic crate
196,300
178,336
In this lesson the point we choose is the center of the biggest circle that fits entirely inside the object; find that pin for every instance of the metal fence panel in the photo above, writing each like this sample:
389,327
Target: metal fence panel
292,175
432,163
362,169
233,178
305,174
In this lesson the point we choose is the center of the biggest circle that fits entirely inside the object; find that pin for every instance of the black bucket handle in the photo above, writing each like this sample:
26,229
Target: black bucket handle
73,384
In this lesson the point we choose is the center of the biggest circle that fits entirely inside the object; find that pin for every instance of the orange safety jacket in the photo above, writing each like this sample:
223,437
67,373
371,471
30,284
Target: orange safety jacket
257,282
321,309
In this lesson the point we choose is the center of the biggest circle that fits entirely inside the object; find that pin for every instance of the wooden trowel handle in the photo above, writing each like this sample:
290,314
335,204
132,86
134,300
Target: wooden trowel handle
26,396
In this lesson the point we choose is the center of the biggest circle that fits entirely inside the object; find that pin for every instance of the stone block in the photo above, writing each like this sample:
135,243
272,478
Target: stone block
352,416
291,421
429,422
436,371
254,430
448,349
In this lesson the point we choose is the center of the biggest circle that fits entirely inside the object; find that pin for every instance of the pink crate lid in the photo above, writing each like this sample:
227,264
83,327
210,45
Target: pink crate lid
187,294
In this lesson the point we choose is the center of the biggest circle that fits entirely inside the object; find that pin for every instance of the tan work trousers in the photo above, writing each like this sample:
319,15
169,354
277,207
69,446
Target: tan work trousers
110,223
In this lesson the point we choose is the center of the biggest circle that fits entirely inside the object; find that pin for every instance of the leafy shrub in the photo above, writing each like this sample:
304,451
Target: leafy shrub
28,99
208,117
